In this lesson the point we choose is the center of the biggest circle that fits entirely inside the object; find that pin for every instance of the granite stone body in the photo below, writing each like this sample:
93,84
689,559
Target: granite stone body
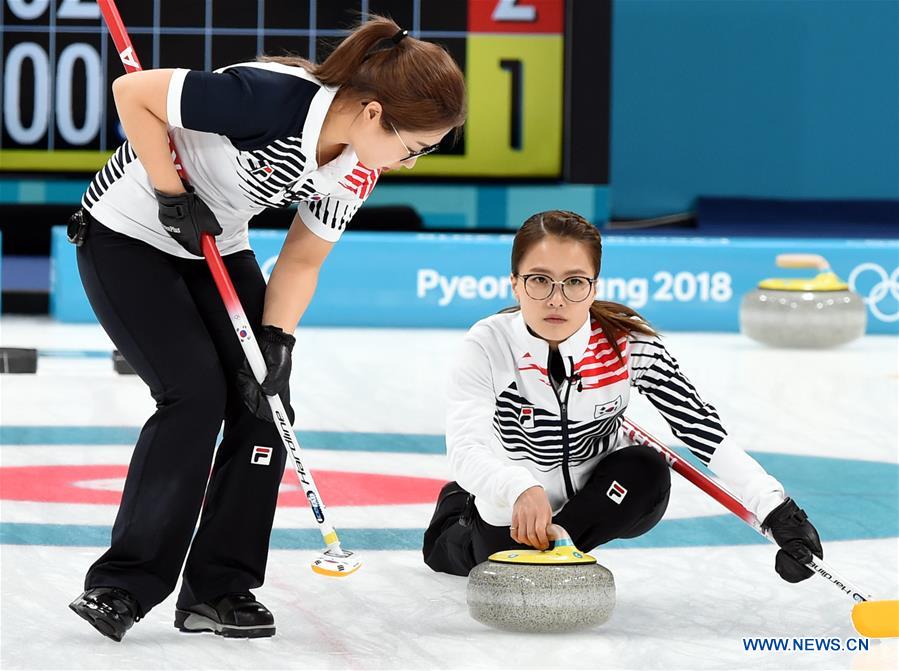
803,319
540,599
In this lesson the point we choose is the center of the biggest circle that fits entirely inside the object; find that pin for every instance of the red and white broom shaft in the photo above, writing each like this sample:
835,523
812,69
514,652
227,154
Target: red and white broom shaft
734,505
236,313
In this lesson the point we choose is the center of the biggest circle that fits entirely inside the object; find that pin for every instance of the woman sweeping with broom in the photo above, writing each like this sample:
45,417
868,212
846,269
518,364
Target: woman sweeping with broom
255,135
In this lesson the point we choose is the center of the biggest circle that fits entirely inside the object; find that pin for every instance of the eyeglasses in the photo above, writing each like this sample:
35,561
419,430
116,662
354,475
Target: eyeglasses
541,287
414,154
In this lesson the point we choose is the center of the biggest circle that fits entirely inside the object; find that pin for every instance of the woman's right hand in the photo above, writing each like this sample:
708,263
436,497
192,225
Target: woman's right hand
276,347
185,217
531,516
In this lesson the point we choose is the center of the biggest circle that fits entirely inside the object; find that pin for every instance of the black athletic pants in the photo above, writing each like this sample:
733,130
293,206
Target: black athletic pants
166,317
457,539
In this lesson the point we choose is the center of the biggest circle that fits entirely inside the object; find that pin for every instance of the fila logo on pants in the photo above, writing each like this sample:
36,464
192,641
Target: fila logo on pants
616,492
262,456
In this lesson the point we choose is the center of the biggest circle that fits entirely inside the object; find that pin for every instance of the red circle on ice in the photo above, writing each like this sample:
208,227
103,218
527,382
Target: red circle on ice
102,484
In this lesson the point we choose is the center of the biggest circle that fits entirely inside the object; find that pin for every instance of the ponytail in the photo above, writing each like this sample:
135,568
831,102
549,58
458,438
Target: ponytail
617,320
343,63
370,39
418,84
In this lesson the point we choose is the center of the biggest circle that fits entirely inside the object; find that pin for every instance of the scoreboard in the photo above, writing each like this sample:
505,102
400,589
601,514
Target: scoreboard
58,63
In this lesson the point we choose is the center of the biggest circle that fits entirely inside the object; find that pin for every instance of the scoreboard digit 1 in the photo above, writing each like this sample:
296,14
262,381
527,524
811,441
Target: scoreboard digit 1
514,72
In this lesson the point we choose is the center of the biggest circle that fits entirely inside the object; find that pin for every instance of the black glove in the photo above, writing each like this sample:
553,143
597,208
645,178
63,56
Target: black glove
276,348
185,217
797,539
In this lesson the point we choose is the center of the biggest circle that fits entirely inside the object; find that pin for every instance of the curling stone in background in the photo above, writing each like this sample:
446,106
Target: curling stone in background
120,365
813,312
556,590
18,360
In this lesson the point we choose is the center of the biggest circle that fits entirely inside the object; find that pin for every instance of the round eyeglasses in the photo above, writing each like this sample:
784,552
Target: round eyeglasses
541,287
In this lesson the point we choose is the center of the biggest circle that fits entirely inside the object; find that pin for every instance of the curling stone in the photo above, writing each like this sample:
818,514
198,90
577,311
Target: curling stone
120,365
18,360
555,590
812,312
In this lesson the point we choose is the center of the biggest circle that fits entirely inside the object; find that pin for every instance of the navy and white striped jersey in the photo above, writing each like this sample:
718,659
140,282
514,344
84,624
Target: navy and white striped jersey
504,431
247,137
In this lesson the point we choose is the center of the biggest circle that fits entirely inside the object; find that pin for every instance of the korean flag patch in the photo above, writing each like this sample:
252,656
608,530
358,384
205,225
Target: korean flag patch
606,409
259,170
263,172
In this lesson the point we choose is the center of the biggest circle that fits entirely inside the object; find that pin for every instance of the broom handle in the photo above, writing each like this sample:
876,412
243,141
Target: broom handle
734,505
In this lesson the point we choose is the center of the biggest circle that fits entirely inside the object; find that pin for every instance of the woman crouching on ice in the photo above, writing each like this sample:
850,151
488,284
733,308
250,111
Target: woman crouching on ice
534,415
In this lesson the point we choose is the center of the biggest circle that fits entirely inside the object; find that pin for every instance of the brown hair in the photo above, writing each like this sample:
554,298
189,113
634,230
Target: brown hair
418,84
614,319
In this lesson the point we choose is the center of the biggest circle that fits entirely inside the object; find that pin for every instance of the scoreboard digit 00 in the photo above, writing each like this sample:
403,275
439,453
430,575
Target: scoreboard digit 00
58,63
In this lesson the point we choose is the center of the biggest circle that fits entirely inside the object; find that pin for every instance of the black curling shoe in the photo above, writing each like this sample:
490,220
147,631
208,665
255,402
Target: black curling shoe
110,610
236,615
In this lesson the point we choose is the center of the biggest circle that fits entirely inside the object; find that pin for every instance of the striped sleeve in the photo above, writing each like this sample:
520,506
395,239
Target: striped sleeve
110,173
328,217
656,374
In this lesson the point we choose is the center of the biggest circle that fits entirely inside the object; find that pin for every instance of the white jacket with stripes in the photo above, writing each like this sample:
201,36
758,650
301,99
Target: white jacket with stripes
509,429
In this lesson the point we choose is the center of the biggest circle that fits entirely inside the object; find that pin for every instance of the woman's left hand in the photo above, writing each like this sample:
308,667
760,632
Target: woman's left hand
797,538
276,346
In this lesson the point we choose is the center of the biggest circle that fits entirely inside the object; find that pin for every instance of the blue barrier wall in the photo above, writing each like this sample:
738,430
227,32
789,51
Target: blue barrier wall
434,280
768,98
461,206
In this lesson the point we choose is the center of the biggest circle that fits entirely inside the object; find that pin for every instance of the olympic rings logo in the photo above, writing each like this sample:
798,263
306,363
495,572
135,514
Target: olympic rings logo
886,285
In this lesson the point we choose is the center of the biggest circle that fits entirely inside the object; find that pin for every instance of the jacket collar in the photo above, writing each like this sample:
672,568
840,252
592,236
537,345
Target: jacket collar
571,349
312,127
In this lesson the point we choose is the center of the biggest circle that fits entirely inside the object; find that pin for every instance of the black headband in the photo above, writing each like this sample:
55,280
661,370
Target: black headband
387,44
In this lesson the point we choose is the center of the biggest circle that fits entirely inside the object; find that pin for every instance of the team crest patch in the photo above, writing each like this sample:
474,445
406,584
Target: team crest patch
606,409
262,456
527,416
616,492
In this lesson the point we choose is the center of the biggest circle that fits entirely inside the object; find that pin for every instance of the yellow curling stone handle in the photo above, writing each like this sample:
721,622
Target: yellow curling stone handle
563,552
826,280
803,261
